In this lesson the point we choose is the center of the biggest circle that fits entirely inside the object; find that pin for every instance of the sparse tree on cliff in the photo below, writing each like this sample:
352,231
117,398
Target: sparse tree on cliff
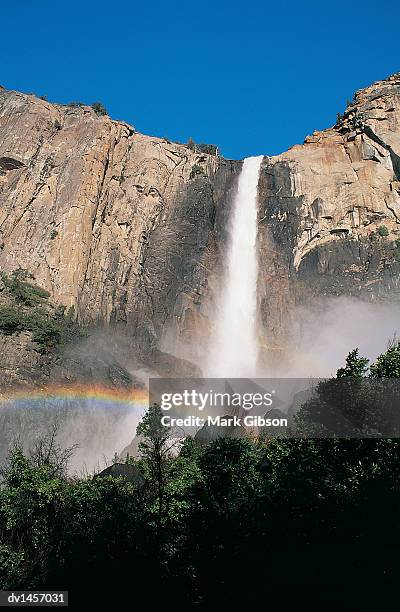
99,109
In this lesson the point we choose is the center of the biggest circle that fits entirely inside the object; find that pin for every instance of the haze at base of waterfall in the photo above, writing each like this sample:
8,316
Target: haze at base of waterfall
233,351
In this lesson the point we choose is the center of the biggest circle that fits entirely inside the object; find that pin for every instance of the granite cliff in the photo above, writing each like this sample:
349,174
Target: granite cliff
129,230
330,212
120,226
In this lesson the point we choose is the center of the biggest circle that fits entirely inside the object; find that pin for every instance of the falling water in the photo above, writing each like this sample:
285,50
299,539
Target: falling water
234,345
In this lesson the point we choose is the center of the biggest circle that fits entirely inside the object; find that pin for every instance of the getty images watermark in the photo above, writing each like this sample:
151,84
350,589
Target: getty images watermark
295,407
227,401
191,404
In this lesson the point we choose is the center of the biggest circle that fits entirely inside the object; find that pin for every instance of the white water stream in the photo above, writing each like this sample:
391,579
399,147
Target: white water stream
233,351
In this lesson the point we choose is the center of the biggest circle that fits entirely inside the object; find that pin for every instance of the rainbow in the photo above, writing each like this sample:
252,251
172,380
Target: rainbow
96,394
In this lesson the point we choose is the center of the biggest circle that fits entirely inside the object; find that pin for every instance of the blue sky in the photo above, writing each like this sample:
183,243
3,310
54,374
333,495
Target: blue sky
253,77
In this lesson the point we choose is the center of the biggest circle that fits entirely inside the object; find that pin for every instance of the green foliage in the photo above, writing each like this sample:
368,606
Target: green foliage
46,331
224,523
155,436
208,149
10,320
387,365
223,464
47,520
75,104
356,366
356,403
237,512
383,231
22,290
155,449
53,234
32,312
99,109
34,489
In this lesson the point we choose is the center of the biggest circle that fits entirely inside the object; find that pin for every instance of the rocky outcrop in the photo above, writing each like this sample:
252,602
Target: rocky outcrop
118,225
330,211
130,229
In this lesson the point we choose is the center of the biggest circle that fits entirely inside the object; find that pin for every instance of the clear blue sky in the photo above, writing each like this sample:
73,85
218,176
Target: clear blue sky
254,77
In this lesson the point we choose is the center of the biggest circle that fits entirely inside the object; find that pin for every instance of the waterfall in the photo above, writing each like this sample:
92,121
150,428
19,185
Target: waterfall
233,351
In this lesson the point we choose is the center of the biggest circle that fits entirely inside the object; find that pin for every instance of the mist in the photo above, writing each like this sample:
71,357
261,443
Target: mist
323,335
96,432
316,346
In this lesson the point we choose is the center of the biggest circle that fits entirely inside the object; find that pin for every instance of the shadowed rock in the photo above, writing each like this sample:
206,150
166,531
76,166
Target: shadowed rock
123,470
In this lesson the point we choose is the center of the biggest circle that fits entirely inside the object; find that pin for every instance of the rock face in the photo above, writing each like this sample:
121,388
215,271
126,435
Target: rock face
118,225
330,210
129,229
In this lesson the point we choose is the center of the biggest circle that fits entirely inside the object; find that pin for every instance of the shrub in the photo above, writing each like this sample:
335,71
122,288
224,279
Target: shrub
387,365
50,328
24,291
99,109
10,320
53,234
209,149
45,332
383,231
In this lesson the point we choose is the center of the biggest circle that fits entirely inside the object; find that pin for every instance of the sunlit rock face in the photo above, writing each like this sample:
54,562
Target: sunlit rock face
330,211
131,230
119,225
